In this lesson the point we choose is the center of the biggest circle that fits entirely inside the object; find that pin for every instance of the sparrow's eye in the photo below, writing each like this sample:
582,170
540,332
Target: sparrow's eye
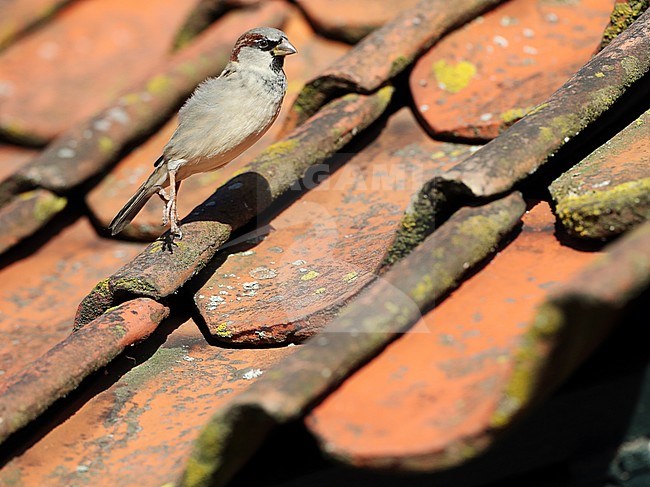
263,44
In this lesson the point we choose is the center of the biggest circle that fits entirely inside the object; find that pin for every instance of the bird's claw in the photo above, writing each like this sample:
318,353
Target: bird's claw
176,232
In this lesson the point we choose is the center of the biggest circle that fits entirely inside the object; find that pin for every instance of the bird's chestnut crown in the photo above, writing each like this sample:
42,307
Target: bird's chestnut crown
265,39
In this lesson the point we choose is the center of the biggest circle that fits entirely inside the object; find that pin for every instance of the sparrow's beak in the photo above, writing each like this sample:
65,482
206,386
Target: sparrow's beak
284,48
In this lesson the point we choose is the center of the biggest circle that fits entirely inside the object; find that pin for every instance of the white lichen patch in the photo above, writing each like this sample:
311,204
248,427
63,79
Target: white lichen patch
252,374
214,302
263,272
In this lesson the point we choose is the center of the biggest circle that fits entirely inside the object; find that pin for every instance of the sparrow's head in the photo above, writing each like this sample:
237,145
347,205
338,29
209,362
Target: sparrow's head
262,46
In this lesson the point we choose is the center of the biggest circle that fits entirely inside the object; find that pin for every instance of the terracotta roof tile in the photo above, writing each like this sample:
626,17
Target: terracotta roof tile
482,78
25,215
531,143
39,294
445,381
92,53
29,392
391,305
141,426
325,249
609,191
13,157
21,15
352,21
384,54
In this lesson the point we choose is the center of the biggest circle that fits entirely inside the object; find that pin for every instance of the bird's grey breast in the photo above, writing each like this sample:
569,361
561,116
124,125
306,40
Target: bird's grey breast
225,116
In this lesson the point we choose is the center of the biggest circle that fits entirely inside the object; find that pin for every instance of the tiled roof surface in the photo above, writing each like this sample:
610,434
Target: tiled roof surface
432,270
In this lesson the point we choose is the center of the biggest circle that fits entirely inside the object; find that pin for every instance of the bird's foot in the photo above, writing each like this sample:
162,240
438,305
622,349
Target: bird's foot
175,230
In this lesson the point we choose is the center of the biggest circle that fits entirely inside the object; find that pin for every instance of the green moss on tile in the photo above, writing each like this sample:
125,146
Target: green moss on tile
14,132
521,387
280,149
131,98
423,290
622,17
483,228
48,207
511,116
106,144
222,331
207,456
606,212
538,108
7,31
416,224
158,364
183,38
309,100
309,275
135,286
546,135
453,77
351,276
398,65
94,304
189,69
118,329
601,100
197,472
158,84
633,67
102,288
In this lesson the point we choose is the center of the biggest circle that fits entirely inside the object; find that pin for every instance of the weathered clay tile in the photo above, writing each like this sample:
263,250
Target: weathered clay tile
609,191
624,13
384,53
27,393
140,429
91,146
13,157
362,329
162,268
327,246
89,55
352,21
575,318
39,293
444,382
109,196
482,78
20,15
26,214
530,143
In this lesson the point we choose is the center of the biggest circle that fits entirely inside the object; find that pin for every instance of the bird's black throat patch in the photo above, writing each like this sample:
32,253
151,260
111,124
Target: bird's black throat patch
277,63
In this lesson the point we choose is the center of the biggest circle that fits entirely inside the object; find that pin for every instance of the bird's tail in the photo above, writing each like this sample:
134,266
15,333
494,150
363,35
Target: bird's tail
132,207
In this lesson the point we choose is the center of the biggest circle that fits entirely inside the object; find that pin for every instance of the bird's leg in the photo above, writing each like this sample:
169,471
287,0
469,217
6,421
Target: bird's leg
172,212
165,197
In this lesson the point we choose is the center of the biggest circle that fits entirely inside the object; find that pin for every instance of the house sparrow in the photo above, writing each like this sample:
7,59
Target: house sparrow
223,117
